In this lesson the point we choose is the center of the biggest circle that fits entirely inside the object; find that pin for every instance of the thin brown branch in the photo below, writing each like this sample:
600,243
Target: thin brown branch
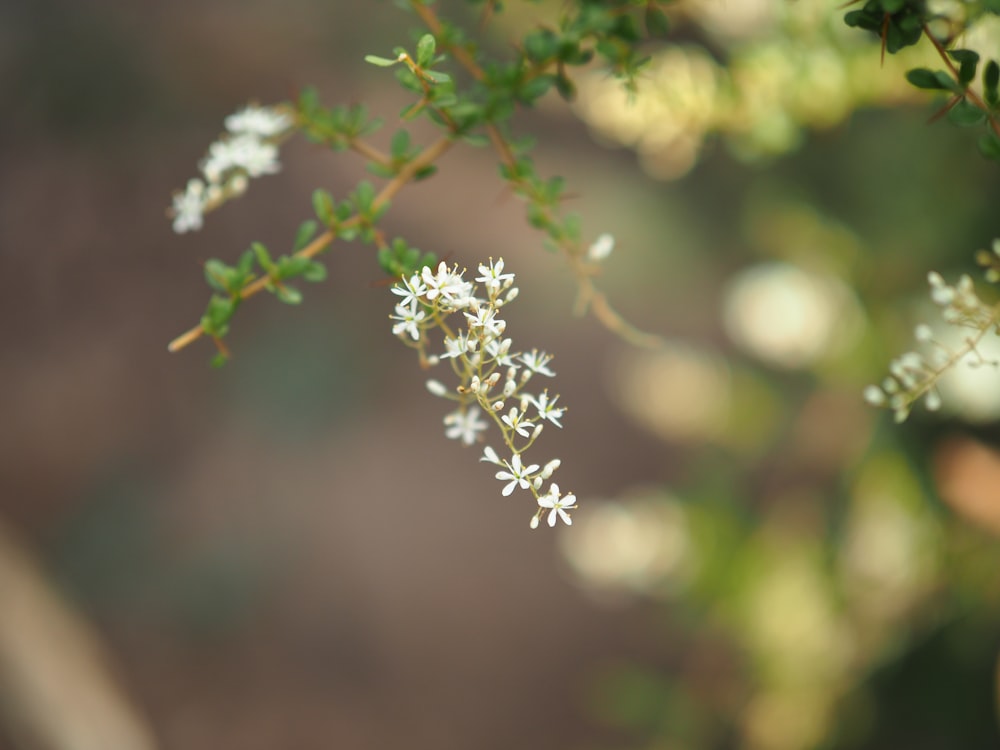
427,157
370,152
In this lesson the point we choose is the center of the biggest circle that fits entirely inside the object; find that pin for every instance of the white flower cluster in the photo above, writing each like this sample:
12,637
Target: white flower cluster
492,376
248,149
914,375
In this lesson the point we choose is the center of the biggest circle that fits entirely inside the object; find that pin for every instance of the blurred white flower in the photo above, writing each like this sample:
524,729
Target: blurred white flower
189,207
260,121
601,248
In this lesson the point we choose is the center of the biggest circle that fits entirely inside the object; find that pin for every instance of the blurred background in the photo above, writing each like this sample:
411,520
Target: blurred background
289,553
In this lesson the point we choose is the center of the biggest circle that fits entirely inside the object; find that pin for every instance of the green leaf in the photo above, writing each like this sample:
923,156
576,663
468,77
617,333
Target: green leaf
411,110
991,77
314,272
963,55
217,315
425,50
323,205
363,197
923,78
966,114
968,63
304,235
657,22
535,88
476,139
571,226
218,361
291,265
244,266
537,216
989,146
437,76
565,88
217,274
380,170
385,260
308,100
424,172
263,257
382,62
540,46
864,19
903,32
288,294
400,144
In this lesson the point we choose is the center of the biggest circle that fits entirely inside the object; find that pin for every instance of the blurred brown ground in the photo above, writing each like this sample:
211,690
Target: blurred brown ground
286,553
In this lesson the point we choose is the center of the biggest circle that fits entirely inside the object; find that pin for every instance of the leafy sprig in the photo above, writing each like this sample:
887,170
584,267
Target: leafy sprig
477,113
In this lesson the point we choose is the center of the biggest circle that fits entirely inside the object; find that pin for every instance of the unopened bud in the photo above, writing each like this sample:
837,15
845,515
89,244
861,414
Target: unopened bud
550,468
436,387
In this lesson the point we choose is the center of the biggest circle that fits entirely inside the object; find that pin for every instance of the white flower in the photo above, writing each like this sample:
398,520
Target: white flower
411,289
447,284
409,318
547,409
485,319
517,474
494,277
189,207
254,156
537,361
515,420
245,152
601,248
499,351
456,347
465,425
218,161
259,121
558,505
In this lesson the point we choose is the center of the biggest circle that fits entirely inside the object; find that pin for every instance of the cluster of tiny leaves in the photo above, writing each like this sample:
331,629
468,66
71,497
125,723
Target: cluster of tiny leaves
902,23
